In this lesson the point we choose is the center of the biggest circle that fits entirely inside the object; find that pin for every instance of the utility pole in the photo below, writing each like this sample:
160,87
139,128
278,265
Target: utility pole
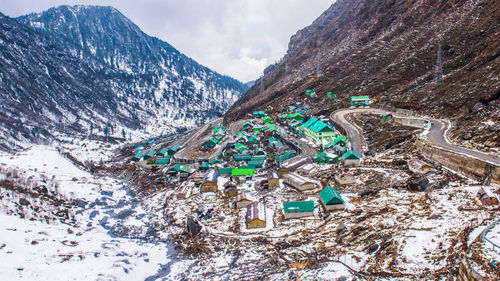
438,73
318,63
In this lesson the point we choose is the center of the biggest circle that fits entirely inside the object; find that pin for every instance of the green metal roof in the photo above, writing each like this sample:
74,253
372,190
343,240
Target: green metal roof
320,126
173,149
205,164
350,155
330,196
330,95
256,163
298,206
309,122
215,161
296,116
241,157
309,92
225,171
175,168
360,98
242,172
186,169
162,151
243,148
137,156
150,153
162,161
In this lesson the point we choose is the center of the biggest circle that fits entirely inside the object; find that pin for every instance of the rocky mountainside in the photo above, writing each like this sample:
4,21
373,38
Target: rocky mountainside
387,49
85,69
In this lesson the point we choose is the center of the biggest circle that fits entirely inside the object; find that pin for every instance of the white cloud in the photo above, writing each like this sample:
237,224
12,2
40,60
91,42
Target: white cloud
238,38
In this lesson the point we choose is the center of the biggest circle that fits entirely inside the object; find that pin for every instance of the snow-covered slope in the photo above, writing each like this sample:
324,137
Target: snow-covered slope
88,69
63,223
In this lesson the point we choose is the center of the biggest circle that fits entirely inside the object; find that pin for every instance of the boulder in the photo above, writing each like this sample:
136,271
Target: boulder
192,226
418,183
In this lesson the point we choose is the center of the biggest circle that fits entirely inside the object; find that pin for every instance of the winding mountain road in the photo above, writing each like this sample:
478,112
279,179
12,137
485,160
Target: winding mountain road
436,135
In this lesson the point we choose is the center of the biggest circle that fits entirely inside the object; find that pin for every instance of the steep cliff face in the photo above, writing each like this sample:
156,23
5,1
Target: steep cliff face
87,68
387,49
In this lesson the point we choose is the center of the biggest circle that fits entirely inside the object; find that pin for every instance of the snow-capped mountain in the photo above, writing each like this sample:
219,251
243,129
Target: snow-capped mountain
82,69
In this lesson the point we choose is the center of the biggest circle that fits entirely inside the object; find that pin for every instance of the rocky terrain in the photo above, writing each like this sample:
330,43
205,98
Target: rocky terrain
387,49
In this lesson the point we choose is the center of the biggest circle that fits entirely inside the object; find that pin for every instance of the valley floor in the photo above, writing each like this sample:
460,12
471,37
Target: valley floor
59,218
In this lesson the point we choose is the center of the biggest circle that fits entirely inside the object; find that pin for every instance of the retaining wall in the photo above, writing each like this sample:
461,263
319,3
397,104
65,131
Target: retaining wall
465,165
417,123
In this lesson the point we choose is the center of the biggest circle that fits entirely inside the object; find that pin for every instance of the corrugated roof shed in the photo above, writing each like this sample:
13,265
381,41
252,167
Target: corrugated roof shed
298,206
256,210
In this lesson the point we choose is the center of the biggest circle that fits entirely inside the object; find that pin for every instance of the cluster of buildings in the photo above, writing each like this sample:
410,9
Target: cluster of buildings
258,156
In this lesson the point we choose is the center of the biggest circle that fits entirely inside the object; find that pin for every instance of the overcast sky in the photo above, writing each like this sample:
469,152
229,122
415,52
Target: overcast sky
238,38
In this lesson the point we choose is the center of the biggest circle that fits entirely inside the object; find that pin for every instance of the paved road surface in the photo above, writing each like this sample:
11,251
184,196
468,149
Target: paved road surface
436,135
194,141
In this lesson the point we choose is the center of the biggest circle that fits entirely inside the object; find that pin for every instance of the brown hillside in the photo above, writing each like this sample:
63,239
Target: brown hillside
376,47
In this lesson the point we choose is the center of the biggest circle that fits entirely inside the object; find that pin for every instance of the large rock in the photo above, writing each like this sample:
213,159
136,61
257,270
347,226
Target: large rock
192,226
419,183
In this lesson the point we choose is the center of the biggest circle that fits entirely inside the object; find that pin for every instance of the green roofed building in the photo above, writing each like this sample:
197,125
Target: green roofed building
309,92
318,131
256,163
186,169
225,171
204,166
360,101
240,175
298,209
294,116
210,143
162,152
162,161
266,119
173,149
330,95
259,113
331,199
351,158
309,122
253,139
241,157
174,169
137,157
340,140
149,154
242,172
215,161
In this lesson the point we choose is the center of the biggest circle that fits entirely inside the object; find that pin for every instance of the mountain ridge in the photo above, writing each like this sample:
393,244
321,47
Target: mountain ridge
132,83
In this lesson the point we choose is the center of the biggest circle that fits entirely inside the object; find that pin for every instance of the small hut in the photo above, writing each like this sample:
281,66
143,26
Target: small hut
242,200
331,199
299,182
272,179
256,215
209,182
